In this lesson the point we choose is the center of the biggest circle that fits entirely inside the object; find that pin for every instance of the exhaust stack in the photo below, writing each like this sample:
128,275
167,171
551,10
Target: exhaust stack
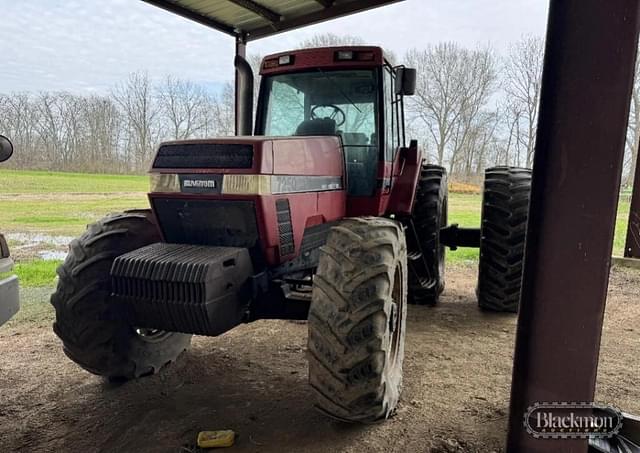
244,97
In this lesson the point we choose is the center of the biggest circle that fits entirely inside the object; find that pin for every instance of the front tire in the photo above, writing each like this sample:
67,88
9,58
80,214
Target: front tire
505,210
357,320
92,335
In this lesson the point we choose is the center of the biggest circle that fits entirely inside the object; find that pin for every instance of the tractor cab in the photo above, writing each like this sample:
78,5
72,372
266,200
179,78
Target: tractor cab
349,92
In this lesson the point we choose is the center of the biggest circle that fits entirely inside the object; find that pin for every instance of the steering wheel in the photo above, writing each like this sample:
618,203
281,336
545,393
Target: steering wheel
337,113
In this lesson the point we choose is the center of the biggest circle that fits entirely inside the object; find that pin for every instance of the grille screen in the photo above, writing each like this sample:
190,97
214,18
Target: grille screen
204,155
207,222
285,228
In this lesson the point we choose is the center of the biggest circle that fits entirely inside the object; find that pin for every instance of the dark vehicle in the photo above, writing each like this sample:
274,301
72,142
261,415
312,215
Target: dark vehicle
326,213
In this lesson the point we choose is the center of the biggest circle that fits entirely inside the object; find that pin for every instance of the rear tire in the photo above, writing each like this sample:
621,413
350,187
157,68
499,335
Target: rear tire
429,216
505,209
357,320
92,335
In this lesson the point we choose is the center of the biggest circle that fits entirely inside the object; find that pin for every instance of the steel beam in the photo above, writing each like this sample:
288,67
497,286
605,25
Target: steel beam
241,50
259,9
632,246
277,23
192,15
331,12
325,3
586,88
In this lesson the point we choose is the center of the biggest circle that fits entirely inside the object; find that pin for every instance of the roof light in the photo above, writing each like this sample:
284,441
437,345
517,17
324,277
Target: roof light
269,64
365,56
285,60
342,55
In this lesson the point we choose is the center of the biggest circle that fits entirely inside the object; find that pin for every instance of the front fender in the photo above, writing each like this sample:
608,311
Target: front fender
407,168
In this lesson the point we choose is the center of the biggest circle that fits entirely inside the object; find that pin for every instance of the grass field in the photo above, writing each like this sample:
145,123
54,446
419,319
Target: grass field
62,204
42,182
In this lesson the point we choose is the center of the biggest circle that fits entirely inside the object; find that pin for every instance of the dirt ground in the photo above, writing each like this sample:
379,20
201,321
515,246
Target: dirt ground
254,380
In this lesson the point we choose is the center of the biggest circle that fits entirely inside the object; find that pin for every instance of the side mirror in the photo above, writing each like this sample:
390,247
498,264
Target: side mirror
405,81
6,148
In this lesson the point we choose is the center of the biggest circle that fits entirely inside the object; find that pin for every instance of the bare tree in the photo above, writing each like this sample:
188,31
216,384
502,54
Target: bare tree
633,132
19,119
51,129
103,124
140,115
453,89
475,125
329,40
184,107
508,150
522,82
225,111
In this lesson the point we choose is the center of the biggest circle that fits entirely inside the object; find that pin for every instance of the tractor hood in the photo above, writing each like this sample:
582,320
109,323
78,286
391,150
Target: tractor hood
259,193
256,165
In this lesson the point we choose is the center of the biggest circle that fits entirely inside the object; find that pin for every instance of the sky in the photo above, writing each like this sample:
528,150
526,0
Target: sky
88,46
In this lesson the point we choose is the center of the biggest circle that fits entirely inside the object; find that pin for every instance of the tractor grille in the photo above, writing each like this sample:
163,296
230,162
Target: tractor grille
204,155
183,288
285,229
227,223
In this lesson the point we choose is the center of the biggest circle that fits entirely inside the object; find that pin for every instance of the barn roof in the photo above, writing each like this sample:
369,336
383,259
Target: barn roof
254,19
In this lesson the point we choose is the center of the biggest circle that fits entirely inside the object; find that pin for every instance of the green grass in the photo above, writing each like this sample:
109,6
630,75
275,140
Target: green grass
34,182
621,228
64,203
35,273
465,211
65,215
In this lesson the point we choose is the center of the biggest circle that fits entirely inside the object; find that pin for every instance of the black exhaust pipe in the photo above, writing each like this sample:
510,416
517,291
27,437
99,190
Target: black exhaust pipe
244,97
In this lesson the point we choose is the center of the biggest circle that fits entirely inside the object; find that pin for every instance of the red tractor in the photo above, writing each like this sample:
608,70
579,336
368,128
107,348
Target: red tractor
325,213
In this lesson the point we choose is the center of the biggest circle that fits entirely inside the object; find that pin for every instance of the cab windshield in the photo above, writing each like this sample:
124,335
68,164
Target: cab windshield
337,102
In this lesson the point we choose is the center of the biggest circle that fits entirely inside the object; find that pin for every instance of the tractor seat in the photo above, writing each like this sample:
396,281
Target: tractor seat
320,126
355,138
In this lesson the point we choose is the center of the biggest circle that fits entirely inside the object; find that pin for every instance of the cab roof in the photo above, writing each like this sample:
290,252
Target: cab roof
323,57
253,19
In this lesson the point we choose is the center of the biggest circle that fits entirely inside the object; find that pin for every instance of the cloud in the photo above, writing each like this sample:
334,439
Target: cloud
89,46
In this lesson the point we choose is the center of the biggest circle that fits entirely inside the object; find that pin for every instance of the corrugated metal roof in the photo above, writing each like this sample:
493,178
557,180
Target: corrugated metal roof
254,19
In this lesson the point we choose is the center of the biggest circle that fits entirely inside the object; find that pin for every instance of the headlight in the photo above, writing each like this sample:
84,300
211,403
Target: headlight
164,182
246,184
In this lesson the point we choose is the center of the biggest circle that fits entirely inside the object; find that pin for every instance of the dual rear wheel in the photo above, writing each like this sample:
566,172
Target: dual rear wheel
505,207
505,211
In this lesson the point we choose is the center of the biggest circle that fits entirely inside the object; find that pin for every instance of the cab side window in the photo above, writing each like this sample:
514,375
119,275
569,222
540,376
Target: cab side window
390,115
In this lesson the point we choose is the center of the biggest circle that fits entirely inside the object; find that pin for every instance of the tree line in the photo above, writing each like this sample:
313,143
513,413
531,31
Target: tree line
473,108
115,133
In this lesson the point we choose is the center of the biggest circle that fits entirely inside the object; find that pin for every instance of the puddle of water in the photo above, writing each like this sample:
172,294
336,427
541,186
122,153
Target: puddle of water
33,239
29,246
52,255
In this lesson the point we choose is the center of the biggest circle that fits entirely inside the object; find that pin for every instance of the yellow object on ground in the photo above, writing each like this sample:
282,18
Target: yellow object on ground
216,439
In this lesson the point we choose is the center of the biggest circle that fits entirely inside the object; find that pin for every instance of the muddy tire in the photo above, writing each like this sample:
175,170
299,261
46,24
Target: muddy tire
92,335
429,216
505,209
357,320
